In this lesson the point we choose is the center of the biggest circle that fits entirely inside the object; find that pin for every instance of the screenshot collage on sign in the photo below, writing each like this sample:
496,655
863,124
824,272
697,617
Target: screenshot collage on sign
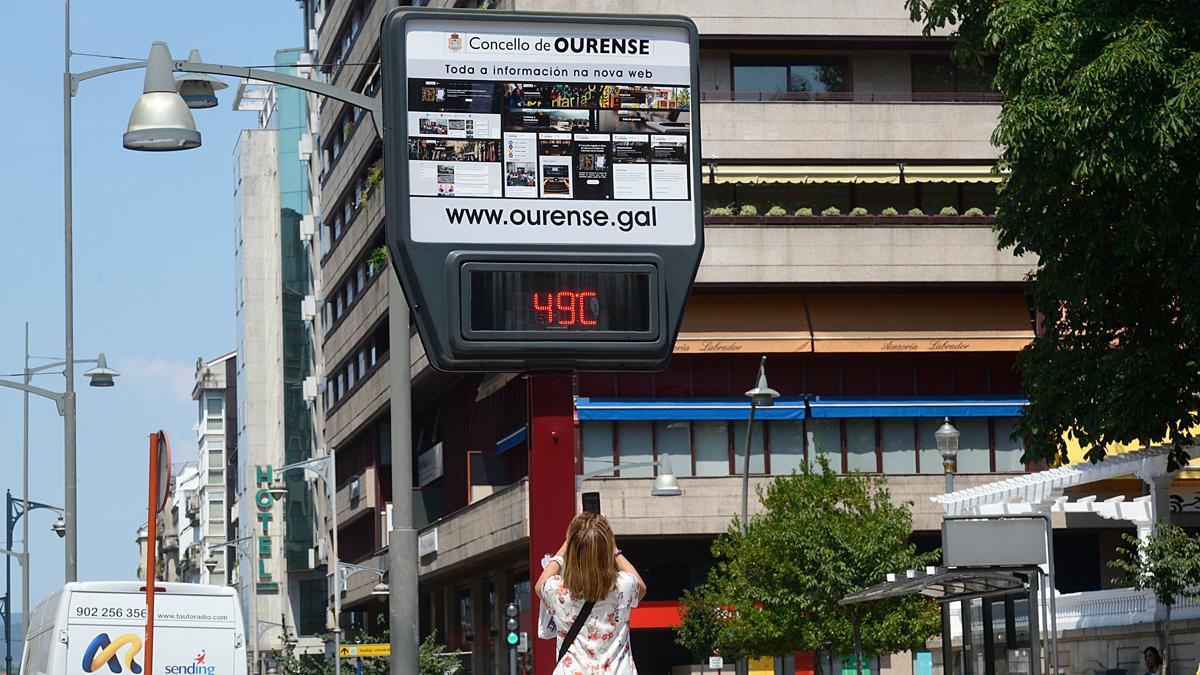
548,140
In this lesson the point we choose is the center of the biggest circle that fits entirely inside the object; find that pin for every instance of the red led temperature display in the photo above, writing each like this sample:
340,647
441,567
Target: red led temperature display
553,303
568,308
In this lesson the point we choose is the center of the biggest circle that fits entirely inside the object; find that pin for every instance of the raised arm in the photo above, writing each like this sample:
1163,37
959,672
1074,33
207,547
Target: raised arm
551,569
624,565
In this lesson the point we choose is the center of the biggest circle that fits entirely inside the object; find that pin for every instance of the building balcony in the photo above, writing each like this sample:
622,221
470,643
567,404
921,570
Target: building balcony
358,497
496,523
716,18
859,129
850,249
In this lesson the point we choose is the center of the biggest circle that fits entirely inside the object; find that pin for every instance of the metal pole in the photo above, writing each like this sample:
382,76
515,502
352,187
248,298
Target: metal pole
746,471
9,523
331,490
949,478
402,548
69,325
25,495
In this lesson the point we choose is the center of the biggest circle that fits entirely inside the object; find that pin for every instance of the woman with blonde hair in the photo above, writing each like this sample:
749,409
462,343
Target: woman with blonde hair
587,590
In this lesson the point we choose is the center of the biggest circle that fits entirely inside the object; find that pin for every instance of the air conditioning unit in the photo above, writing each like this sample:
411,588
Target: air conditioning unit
306,147
310,388
308,228
308,308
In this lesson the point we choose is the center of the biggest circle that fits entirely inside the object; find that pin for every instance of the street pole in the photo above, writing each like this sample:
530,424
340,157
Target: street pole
8,528
69,503
25,493
746,470
331,490
402,547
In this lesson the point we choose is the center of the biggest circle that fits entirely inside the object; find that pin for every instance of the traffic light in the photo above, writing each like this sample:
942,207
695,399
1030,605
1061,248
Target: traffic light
512,625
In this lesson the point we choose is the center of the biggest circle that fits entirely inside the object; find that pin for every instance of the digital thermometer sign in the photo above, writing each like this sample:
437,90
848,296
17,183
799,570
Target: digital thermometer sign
559,302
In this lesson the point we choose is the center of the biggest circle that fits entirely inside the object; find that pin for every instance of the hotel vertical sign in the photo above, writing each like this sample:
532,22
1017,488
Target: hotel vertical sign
542,184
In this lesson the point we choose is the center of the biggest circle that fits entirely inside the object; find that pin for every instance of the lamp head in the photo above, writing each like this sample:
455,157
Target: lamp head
160,120
101,375
59,527
278,489
210,564
381,589
762,395
947,437
198,89
666,484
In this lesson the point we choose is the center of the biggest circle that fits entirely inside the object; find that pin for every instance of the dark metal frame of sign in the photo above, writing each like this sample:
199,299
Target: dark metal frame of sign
434,274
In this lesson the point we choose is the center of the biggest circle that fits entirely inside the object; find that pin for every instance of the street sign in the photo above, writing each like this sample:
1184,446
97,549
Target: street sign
543,185
351,651
717,662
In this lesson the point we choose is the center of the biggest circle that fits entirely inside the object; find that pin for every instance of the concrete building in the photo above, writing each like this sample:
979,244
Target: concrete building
178,551
880,297
282,573
215,393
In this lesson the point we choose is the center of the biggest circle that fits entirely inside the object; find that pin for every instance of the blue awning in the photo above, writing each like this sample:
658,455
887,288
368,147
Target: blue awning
685,409
793,408
513,439
838,407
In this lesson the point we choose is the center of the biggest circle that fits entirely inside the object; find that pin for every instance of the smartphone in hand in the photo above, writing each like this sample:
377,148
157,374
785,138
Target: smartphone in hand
591,502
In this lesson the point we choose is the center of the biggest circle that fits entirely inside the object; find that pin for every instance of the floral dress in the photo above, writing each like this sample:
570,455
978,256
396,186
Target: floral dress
602,647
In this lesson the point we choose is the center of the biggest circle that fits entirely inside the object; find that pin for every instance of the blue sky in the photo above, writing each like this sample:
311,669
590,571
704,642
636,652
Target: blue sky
153,253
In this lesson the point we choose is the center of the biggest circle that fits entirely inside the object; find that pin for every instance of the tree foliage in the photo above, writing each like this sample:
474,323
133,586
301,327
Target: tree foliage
433,659
775,586
1167,564
1099,131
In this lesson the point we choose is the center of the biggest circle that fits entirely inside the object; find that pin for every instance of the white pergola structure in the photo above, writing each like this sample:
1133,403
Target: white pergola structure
1042,492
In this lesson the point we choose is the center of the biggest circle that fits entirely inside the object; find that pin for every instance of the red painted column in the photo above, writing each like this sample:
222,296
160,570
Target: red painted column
551,486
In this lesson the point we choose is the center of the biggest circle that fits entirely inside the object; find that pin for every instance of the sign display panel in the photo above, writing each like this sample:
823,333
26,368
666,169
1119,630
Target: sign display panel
564,144
555,302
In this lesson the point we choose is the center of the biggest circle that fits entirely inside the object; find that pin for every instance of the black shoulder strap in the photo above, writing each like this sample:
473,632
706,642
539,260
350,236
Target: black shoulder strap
569,640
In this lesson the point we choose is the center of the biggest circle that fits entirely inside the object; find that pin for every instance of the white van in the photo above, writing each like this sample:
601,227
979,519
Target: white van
98,628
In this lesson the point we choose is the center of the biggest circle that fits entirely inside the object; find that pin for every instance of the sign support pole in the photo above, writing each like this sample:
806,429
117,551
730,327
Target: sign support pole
551,485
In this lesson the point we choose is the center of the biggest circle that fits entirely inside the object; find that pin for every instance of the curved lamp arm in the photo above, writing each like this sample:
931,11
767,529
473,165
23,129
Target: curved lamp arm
59,364
76,78
60,400
371,105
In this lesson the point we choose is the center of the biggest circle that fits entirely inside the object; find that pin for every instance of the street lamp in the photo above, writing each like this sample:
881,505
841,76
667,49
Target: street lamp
13,510
100,376
947,437
665,485
322,467
211,564
760,396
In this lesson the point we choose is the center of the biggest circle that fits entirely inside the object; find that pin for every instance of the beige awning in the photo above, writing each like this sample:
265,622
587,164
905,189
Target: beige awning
855,322
801,174
951,174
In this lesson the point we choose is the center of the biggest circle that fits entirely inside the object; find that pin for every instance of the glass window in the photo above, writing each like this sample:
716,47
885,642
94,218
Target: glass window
635,444
826,438
215,406
932,73
760,78
860,446
787,446
818,77
711,438
974,449
757,464
362,362
349,376
899,455
597,439
673,440
1008,451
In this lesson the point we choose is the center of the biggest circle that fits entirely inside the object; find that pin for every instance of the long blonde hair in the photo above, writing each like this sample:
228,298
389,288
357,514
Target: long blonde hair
591,570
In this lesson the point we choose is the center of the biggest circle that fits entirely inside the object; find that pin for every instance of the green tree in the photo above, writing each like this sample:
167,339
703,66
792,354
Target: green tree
775,586
1168,565
1099,131
433,659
